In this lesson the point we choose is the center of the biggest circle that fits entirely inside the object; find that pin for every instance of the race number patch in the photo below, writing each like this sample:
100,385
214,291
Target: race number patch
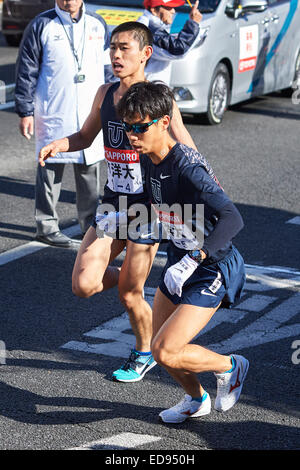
123,170
248,48
177,230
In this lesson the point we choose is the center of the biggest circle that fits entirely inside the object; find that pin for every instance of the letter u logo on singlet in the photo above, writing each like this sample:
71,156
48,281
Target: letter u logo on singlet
115,133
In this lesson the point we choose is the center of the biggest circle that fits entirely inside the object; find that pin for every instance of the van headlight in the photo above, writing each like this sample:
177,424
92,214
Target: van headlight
182,94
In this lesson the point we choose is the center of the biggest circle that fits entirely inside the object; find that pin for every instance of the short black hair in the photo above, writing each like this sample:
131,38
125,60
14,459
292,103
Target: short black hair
141,32
153,99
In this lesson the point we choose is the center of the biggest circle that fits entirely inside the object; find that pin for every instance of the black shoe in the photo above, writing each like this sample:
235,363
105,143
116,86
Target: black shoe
57,239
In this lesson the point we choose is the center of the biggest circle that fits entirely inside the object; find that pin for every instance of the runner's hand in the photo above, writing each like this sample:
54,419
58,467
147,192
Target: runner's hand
178,273
111,221
52,149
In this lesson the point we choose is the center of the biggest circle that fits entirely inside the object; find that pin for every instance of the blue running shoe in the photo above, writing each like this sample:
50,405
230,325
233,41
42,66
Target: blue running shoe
134,368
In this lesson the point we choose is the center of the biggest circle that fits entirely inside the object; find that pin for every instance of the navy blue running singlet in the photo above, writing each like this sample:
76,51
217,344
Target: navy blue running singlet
125,175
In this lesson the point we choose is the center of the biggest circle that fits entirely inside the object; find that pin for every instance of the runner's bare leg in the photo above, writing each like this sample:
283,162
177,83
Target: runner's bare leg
134,272
92,273
174,327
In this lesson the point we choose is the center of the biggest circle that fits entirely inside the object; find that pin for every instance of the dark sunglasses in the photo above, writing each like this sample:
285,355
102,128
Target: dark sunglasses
138,128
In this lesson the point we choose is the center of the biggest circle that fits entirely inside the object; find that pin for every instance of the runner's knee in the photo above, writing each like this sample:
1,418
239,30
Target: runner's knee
82,287
128,298
162,355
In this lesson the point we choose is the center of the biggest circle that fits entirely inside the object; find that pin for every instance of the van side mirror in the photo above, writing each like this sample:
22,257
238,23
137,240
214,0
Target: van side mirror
254,6
245,6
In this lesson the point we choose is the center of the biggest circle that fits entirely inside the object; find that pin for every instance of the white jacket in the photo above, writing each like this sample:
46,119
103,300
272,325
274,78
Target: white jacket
46,70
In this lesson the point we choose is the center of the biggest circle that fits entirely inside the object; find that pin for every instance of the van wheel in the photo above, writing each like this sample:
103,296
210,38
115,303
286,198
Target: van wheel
218,97
287,92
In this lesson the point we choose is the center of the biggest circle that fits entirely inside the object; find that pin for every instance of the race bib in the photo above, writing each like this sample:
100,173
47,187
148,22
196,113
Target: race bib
177,231
123,170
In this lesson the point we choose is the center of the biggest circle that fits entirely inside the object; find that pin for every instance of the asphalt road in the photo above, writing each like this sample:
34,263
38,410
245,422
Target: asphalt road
58,351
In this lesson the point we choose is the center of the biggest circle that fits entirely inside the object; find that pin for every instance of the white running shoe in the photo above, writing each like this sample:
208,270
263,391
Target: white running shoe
187,408
229,384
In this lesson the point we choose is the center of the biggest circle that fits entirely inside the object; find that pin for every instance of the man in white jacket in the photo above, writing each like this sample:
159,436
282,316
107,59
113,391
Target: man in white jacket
59,70
158,15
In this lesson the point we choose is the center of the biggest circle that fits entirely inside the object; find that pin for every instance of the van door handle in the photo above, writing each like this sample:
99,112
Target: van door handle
265,20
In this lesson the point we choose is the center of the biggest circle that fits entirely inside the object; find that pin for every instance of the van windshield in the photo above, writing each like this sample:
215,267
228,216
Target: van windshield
205,6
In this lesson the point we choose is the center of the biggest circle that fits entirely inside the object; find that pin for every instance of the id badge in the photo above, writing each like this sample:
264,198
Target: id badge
79,78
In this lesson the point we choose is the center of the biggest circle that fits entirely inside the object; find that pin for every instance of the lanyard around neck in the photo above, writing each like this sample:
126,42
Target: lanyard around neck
74,52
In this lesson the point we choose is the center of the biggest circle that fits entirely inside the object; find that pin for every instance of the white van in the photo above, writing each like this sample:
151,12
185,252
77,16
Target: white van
251,47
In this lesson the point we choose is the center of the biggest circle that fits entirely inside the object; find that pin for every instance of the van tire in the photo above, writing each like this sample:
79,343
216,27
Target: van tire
218,97
288,92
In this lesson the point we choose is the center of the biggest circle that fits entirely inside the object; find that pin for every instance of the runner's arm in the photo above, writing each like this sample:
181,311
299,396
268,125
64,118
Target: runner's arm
229,224
82,139
200,186
178,130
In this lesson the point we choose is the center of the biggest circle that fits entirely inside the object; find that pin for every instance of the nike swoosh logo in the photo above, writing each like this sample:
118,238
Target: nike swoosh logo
207,293
146,235
140,369
162,177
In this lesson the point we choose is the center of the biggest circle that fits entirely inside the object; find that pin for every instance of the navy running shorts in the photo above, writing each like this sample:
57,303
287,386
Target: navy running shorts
209,285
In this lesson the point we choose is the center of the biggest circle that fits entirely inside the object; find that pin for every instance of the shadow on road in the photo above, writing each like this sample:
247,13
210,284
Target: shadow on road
40,314
21,188
30,408
259,105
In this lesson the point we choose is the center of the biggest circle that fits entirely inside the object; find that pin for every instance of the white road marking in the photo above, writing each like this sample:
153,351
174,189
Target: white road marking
256,303
115,349
125,440
272,269
275,283
268,327
236,314
74,230
20,251
32,247
265,329
294,220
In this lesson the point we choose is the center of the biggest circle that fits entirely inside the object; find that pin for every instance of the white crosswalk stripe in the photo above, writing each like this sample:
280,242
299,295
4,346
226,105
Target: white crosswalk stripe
268,327
125,440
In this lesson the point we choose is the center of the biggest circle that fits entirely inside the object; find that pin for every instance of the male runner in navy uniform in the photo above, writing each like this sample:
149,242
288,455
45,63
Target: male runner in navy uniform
130,49
203,271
